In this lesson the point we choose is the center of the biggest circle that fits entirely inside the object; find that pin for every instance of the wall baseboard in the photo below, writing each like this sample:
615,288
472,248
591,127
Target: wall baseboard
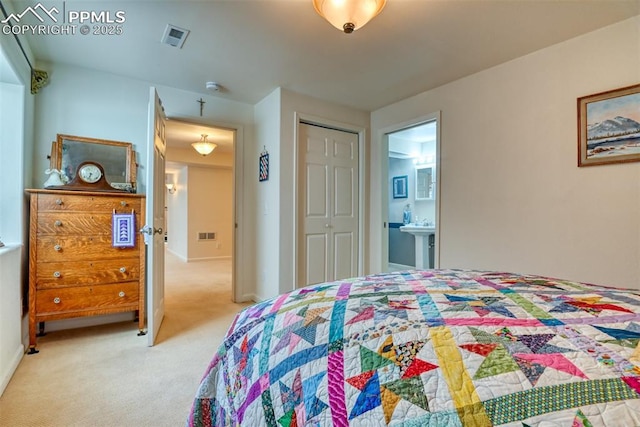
177,255
214,258
253,297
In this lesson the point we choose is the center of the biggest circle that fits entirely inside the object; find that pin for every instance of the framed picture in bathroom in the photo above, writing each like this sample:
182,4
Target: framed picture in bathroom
400,187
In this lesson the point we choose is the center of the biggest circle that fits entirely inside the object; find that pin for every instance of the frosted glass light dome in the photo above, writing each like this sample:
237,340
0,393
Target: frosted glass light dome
203,146
348,15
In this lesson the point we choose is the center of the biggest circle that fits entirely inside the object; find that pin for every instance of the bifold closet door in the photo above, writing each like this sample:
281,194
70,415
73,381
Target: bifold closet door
328,204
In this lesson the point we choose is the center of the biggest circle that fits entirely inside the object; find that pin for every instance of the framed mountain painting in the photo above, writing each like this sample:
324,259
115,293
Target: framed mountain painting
609,127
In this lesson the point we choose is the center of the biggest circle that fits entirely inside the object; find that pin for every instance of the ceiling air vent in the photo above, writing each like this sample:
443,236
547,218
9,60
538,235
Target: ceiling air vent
174,36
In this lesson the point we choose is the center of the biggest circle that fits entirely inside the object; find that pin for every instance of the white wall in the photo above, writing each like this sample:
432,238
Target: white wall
267,242
96,104
11,348
328,113
16,143
203,201
210,194
92,104
178,215
275,128
512,196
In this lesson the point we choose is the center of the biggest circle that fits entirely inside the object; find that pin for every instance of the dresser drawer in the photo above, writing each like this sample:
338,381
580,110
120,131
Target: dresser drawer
65,202
85,298
78,248
61,223
76,273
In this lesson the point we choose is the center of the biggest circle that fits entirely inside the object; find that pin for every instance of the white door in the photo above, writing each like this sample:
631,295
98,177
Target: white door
153,232
328,208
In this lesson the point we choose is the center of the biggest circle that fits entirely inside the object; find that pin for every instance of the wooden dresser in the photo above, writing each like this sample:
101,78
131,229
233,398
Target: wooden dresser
74,270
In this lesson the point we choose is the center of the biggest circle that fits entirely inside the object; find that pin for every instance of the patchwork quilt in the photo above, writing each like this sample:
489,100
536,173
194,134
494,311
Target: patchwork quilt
430,348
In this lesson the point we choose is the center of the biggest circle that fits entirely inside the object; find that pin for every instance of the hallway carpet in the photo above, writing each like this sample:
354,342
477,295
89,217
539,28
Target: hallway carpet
107,376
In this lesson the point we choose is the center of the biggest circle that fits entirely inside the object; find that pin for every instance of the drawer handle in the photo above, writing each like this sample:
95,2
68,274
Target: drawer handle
58,223
121,294
56,300
56,274
59,202
57,248
123,269
123,203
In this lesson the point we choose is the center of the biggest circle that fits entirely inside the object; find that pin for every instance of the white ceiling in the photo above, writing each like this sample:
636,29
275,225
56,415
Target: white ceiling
252,47
414,142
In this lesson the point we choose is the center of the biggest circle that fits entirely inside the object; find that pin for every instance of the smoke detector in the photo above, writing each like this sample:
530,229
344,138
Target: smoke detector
174,36
213,86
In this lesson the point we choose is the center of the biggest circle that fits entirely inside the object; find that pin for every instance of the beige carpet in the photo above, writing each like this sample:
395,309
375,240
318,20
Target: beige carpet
107,376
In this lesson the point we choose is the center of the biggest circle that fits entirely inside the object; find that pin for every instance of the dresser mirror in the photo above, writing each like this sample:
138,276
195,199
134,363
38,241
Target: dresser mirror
116,158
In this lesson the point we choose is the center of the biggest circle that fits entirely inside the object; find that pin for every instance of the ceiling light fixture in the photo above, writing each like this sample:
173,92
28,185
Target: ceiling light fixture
203,146
348,15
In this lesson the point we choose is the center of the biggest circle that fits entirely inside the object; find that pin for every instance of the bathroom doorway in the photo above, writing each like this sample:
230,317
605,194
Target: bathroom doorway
412,205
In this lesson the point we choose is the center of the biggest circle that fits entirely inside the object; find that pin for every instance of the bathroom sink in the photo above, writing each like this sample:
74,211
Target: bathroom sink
418,229
421,233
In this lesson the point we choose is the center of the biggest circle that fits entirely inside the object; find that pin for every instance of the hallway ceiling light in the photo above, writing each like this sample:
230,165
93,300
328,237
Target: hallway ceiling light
348,15
203,146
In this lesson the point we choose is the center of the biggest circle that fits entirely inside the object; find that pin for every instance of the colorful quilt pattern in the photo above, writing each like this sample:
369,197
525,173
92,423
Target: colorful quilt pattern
429,348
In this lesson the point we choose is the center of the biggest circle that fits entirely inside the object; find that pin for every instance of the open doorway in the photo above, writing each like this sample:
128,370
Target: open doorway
411,207
200,197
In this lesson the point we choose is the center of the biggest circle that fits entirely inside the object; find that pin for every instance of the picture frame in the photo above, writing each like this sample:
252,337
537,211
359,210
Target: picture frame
263,166
400,187
609,127
116,157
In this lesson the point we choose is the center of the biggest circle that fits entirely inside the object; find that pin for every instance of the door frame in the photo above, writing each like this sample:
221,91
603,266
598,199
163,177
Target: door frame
383,135
303,118
237,239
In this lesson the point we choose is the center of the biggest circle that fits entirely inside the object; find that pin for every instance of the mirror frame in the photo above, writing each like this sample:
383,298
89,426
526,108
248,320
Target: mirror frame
431,184
130,163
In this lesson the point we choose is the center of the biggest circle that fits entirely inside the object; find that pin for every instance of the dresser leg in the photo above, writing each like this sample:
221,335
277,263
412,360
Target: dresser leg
41,331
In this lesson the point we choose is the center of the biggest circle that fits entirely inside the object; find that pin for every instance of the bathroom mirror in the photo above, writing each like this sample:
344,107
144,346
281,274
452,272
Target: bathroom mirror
425,185
117,158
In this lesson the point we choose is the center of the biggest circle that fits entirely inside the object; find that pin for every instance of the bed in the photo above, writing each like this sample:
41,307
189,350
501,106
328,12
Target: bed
430,348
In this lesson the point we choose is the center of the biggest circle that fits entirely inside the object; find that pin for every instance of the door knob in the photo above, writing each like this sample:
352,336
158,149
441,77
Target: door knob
150,230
